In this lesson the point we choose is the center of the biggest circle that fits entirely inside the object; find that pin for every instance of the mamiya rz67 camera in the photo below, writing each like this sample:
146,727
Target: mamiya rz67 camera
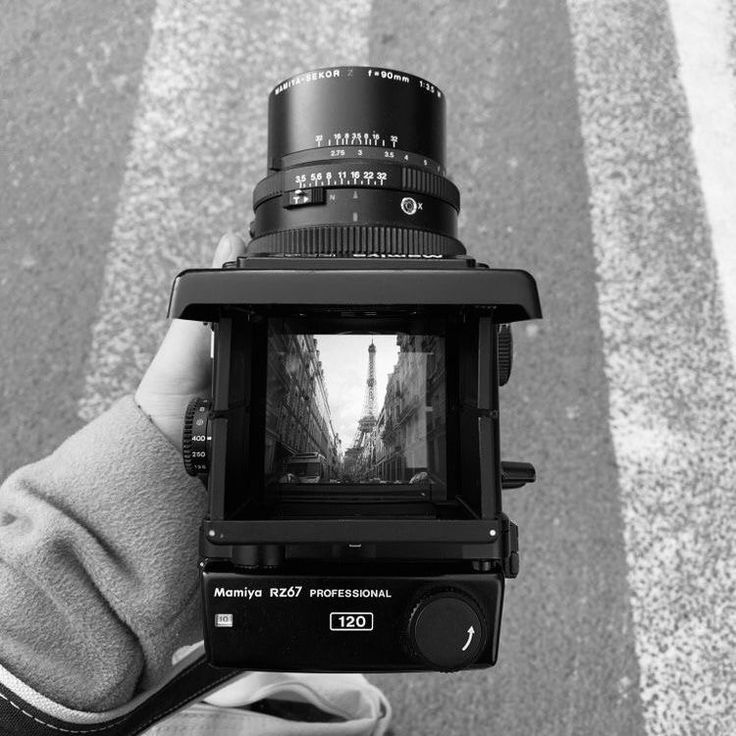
350,445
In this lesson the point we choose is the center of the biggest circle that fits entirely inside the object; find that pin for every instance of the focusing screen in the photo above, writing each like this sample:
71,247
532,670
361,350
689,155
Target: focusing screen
356,408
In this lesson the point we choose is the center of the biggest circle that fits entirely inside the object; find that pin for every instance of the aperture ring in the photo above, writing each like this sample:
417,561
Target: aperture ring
358,174
348,240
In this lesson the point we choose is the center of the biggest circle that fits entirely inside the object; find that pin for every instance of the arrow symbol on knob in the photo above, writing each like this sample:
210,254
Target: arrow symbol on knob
471,631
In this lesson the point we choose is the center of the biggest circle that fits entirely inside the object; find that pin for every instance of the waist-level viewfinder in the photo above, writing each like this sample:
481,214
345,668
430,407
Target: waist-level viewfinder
350,444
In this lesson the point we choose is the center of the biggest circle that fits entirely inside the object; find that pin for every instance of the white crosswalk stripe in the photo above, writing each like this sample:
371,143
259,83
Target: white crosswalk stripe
706,51
200,130
671,379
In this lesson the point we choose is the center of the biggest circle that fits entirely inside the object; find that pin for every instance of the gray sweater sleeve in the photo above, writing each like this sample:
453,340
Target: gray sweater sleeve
98,563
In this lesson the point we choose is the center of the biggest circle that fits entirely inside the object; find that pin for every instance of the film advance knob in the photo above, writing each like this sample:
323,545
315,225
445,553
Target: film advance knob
447,630
195,438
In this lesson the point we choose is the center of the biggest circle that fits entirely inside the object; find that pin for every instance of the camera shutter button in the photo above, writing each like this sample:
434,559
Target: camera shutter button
447,630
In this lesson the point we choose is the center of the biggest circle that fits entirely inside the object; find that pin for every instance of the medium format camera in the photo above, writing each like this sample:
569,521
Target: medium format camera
350,445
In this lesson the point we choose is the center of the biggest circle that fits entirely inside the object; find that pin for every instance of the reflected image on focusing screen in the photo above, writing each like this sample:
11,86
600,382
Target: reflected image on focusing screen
347,409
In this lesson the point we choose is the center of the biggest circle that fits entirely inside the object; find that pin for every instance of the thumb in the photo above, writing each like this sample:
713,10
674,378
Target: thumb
186,344
181,367
182,361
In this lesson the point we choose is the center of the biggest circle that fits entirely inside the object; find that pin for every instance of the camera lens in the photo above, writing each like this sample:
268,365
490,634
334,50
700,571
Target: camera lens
356,168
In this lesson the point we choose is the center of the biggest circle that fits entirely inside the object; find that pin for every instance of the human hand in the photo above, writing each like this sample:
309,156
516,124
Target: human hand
181,368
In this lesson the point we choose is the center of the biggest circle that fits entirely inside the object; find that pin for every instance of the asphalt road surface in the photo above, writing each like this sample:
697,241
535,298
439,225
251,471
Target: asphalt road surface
593,144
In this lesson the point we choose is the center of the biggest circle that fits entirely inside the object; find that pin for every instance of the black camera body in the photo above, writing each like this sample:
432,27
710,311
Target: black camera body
355,312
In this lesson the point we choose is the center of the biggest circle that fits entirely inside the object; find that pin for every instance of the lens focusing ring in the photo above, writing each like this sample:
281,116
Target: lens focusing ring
347,240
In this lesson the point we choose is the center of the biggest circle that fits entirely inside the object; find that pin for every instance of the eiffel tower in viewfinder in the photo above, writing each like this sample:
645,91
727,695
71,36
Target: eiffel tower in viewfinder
368,415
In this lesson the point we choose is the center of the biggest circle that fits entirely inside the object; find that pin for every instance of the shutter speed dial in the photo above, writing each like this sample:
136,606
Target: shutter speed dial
196,437
447,630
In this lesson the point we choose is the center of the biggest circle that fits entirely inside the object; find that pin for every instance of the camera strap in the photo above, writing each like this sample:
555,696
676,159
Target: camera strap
24,712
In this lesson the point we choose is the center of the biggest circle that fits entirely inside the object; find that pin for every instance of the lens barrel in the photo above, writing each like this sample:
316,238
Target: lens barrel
356,168
356,106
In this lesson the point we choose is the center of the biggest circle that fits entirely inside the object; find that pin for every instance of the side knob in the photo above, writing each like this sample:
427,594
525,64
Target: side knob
505,353
447,630
196,436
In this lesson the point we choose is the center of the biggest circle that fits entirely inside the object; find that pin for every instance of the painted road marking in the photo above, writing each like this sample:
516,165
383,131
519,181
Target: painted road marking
707,69
668,363
198,147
